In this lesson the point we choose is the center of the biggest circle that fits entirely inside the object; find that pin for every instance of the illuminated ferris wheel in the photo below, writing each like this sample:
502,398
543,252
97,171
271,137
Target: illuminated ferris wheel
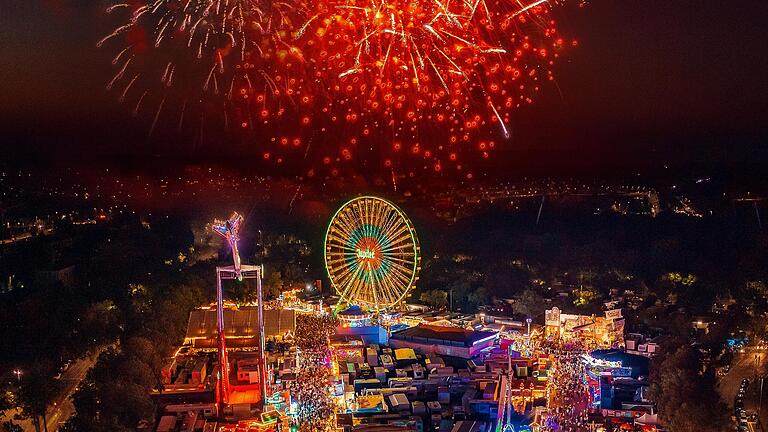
371,253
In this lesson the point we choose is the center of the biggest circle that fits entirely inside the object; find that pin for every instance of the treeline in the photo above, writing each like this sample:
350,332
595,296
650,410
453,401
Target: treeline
116,393
124,293
685,391
501,254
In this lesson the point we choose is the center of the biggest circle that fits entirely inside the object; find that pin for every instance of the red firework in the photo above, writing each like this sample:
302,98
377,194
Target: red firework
457,66
394,78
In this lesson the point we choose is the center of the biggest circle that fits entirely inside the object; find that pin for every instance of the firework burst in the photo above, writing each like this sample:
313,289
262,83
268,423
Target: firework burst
431,75
390,80
201,52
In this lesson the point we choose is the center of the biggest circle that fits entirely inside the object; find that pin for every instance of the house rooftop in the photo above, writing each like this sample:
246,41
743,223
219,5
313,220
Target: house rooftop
432,334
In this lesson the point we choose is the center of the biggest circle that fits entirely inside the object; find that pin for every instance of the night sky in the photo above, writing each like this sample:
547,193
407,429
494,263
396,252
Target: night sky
678,78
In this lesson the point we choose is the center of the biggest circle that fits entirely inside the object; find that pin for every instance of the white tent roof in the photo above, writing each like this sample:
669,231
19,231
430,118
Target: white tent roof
648,419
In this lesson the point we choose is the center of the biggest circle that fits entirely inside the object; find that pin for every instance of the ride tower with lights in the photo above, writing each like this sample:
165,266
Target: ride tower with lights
505,422
505,419
230,230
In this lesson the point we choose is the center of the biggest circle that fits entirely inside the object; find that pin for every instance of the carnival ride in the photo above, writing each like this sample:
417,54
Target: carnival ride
372,254
230,230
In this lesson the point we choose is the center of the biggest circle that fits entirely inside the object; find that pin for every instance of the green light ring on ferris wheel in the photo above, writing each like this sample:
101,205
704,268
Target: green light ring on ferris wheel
391,274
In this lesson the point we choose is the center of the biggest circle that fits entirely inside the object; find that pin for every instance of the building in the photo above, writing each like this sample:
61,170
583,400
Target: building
448,341
639,344
357,323
618,383
354,316
241,326
604,332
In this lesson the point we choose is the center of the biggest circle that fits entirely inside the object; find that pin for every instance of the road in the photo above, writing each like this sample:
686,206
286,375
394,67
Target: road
61,408
750,364
20,237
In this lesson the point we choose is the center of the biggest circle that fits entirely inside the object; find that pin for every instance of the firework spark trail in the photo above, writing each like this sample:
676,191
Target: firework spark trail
114,7
498,117
394,180
157,116
138,103
181,116
429,62
524,9
295,195
128,87
119,74
120,54
209,27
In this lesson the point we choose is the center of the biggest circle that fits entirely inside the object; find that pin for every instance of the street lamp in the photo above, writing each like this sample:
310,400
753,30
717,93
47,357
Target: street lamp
17,372
760,406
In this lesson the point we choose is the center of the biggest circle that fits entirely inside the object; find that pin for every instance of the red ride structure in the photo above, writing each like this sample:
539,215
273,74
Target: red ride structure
230,230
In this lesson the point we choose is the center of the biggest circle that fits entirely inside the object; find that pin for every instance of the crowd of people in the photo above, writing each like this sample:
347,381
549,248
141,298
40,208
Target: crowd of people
315,407
569,393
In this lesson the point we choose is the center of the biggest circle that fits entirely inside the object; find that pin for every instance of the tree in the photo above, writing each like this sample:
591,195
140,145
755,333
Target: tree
459,290
99,324
686,397
435,298
7,399
10,426
293,274
137,372
478,297
37,390
503,280
142,349
584,296
246,291
126,403
528,303
759,326
115,393
273,284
